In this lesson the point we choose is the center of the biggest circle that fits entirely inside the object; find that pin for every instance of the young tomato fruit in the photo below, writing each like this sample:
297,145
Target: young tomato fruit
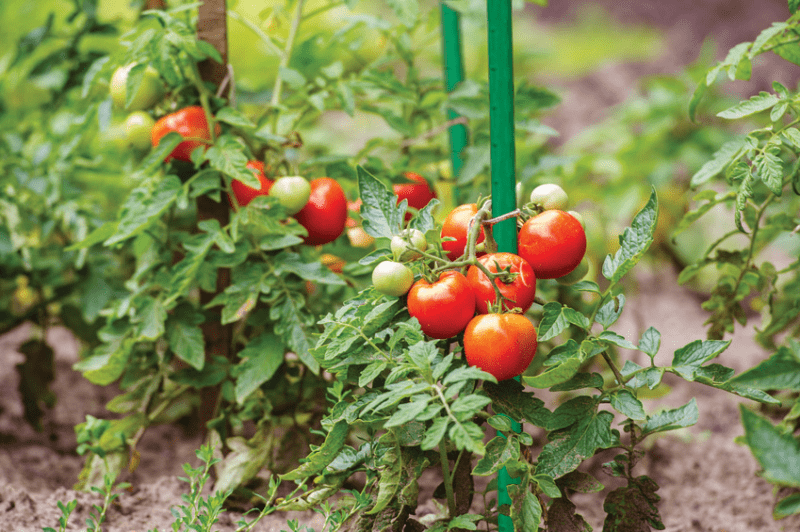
192,125
292,192
245,194
138,127
518,292
392,278
148,92
549,197
575,275
456,226
325,214
444,307
500,344
418,193
553,242
410,237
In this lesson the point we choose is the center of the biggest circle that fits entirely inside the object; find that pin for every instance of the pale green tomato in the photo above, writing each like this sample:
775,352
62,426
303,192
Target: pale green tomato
575,275
292,192
577,216
550,197
137,127
410,237
392,278
149,92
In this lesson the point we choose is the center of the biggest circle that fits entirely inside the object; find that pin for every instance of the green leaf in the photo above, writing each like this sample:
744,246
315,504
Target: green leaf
407,11
580,381
738,65
381,215
552,323
435,433
683,416
554,375
713,198
390,475
526,511
314,271
610,312
568,447
408,411
143,207
793,5
107,362
186,341
227,155
690,357
787,506
318,459
634,241
760,102
290,324
221,238
611,337
104,232
467,436
510,399
725,155
633,508
624,402
262,358
292,77
769,167
242,463
781,371
650,342
234,117
184,274
778,453
499,451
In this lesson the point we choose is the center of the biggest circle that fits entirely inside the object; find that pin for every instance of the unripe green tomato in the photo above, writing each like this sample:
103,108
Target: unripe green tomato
413,237
292,192
550,197
392,278
577,216
575,275
138,127
149,92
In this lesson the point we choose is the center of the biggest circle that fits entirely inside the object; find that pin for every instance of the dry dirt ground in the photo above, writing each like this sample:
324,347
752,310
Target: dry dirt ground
708,482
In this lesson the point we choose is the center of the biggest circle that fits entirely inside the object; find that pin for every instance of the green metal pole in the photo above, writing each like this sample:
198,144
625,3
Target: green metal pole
453,75
503,154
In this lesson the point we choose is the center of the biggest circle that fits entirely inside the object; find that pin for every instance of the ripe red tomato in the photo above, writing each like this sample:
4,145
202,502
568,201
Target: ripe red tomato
191,123
444,307
245,194
418,193
325,214
500,344
520,291
455,226
553,242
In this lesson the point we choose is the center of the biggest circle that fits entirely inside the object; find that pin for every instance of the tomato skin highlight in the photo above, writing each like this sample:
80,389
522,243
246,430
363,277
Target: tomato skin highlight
245,194
500,344
418,193
190,122
325,214
456,226
444,307
553,242
521,290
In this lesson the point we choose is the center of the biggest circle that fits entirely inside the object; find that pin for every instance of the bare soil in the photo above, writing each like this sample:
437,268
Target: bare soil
708,483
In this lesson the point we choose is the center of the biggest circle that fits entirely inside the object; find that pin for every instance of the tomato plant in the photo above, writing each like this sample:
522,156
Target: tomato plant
516,282
191,124
455,227
553,242
143,82
442,307
500,344
243,193
292,192
550,196
392,278
418,193
407,245
325,214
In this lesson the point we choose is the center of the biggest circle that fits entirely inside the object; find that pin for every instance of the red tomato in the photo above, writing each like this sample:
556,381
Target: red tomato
325,214
444,307
418,193
245,194
500,344
553,242
455,226
191,123
520,291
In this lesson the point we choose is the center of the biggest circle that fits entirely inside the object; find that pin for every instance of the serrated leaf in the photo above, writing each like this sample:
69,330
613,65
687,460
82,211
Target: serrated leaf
724,156
760,102
554,375
318,459
510,399
634,241
632,508
381,215
234,117
624,402
610,312
650,342
262,357
616,339
186,341
499,451
683,416
227,155
526,511
781,371
435,433
143,207
687,359
552,323
314,271
777,453
770,168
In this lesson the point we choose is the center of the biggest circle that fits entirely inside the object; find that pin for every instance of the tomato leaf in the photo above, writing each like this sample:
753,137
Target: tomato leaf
781,371
261,359
760,102
634,241
676,418
632,508
725,155
624,402
777,452
381,215
318,459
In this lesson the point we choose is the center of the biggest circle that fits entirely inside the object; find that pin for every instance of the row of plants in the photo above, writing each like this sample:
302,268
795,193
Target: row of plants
271,289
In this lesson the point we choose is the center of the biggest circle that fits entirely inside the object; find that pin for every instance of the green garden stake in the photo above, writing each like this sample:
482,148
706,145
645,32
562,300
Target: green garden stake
503,153
453,75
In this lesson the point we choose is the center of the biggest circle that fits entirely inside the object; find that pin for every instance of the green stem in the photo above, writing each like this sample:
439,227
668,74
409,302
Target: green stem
448,481
287,54
614,369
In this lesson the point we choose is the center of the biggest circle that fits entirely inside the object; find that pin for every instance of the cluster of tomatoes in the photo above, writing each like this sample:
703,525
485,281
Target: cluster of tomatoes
319,205
460,294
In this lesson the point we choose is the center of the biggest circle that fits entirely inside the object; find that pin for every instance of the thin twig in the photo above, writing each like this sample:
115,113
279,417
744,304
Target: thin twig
434,132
